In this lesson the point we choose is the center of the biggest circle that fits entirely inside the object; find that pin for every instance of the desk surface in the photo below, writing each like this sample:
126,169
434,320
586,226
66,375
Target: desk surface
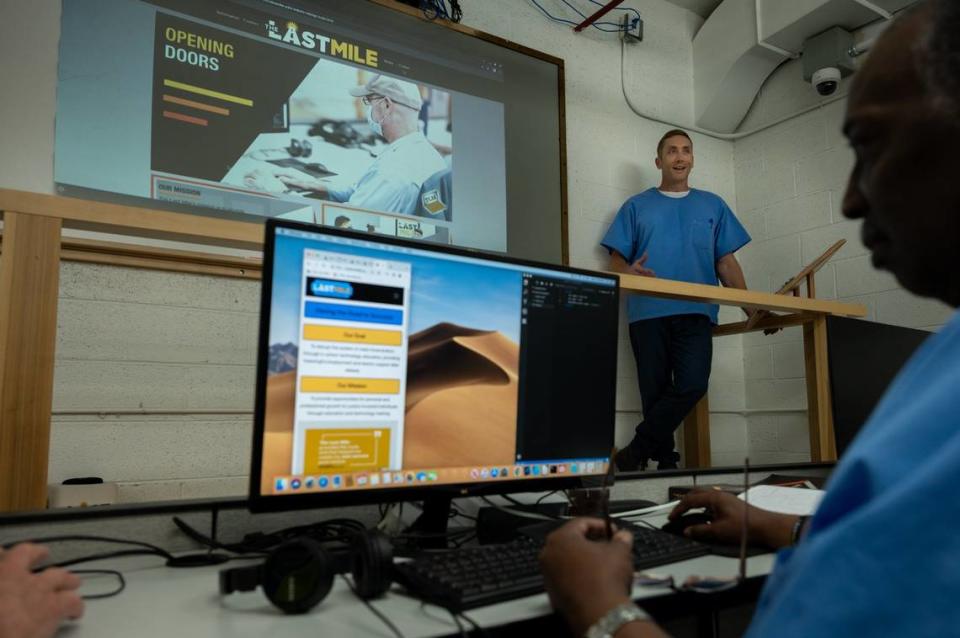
159,601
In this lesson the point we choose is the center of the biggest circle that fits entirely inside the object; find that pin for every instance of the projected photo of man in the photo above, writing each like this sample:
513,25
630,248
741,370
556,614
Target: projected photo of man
389,164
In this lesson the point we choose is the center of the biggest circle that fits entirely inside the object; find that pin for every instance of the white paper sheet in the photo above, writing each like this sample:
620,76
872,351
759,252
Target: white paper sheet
786,500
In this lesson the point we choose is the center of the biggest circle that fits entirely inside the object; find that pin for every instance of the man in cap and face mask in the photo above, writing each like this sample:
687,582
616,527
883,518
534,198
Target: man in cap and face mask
393,181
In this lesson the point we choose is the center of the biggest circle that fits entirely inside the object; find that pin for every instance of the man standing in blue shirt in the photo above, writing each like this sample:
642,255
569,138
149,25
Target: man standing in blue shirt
673,232
881,555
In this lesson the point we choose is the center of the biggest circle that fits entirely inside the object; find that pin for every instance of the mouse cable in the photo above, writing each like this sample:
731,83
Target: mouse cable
369,605
154,549
423,607
105,556
473,623
122,583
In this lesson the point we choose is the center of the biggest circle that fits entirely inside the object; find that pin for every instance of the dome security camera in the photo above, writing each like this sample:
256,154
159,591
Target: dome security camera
826,80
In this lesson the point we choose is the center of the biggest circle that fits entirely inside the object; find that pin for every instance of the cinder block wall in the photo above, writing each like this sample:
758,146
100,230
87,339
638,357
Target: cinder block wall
790,183
178,349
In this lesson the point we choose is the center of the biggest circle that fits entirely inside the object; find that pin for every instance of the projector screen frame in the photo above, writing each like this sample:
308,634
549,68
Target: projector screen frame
561,97
194,259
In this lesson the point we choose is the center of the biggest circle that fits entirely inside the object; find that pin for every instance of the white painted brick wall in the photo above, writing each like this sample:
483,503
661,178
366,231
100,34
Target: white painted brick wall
791,228
131,340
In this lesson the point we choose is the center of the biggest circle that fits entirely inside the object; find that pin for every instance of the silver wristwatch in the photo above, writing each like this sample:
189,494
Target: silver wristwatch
615,619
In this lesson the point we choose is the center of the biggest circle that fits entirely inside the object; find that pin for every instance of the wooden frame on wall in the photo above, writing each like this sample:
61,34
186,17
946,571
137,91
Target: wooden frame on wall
136,202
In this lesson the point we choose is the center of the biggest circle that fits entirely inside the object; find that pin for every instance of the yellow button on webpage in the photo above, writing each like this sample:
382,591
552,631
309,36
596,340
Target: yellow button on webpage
341,384
352,335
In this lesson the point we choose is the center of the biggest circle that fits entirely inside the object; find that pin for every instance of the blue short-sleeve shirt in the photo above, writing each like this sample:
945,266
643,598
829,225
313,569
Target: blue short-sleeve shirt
881,556
683,238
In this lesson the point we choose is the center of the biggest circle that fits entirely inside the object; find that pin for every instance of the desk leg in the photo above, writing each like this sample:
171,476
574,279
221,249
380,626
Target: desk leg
29,280
696,435
823,447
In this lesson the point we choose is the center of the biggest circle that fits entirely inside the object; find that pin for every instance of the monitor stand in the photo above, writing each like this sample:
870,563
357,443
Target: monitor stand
432,523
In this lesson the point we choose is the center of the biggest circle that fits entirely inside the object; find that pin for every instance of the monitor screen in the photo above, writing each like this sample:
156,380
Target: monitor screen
861,370
387,367
347,114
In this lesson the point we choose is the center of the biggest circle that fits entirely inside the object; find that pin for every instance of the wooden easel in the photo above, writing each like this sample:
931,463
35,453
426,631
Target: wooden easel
696,428
808,274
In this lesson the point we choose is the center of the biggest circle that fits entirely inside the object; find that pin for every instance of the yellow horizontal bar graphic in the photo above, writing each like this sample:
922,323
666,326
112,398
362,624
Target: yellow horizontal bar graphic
344,384
352,335
199,90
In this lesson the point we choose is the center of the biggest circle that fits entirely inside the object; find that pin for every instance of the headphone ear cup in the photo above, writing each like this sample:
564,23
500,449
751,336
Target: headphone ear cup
306,148
295,149
297,575
372,564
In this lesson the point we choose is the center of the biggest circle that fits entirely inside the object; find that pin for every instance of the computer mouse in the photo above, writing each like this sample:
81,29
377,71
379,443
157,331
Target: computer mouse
678,525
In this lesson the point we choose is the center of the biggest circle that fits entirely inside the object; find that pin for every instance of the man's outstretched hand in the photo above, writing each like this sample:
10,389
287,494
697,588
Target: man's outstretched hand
32,605
639,267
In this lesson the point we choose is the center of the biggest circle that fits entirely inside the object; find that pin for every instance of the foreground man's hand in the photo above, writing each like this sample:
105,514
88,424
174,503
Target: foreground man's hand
32,605
764,528
586,575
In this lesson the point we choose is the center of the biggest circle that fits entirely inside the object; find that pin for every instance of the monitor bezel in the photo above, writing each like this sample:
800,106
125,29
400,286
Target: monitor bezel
259,502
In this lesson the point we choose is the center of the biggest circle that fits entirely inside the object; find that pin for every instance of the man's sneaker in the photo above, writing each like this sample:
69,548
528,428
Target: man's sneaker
626,461
668,461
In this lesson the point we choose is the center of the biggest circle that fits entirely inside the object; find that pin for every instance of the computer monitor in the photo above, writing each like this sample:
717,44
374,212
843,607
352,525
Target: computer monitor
390,370
864,358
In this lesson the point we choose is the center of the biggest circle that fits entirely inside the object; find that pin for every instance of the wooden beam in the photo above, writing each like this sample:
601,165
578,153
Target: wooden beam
696,436
132,220
823,446
154,258
29,280
768,322
670,289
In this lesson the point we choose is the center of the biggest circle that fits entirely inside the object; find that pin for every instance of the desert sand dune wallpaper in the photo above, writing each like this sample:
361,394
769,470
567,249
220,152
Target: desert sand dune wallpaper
457,378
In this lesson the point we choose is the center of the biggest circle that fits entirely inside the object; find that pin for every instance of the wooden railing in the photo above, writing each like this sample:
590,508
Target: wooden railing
807,311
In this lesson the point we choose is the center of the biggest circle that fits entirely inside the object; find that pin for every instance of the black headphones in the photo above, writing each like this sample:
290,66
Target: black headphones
298,574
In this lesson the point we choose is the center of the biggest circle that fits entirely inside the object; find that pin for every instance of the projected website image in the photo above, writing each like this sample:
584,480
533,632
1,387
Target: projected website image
383,360
364,140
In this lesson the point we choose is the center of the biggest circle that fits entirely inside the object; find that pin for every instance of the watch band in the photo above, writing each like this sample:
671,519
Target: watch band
615,619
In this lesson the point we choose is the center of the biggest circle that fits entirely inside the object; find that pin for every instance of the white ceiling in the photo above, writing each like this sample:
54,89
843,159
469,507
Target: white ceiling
702,8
